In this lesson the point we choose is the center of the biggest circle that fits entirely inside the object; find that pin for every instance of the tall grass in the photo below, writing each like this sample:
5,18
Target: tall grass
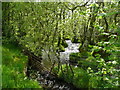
13,68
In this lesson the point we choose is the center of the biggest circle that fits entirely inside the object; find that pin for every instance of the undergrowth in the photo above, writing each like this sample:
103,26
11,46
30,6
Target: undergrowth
13,68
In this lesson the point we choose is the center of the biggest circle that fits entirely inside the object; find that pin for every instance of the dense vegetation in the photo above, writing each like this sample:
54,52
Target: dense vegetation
14,64
45,26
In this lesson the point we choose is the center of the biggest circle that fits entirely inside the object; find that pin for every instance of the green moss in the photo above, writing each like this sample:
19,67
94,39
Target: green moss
14,63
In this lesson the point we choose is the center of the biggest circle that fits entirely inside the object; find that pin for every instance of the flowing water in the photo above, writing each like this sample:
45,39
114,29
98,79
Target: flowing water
51,82
48,81
72,48
64,56
56,84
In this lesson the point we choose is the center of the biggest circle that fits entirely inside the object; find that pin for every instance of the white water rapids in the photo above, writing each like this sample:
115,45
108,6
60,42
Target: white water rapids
64,56
72,48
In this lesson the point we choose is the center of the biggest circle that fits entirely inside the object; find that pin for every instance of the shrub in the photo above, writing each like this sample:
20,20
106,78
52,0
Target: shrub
80,78
74,57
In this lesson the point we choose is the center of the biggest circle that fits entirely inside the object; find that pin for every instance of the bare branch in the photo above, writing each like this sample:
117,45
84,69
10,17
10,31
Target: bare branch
77,6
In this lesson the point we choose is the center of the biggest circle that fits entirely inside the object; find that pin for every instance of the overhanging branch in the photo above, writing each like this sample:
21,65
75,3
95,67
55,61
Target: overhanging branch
77,6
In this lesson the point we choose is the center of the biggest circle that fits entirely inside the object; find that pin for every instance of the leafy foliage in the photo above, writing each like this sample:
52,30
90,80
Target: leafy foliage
80,78
45,26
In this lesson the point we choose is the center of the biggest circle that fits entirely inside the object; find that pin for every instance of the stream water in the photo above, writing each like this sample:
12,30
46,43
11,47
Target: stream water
64,56
49,82
72,48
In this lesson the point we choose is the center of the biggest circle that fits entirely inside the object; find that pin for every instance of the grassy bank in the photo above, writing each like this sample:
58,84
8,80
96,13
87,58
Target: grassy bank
13,68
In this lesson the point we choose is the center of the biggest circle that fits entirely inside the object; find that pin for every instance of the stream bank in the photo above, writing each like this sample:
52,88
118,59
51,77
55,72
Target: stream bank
47,80
51,82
